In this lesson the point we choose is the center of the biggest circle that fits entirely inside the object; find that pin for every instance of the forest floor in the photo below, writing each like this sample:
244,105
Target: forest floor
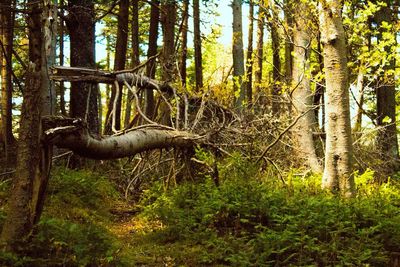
243,222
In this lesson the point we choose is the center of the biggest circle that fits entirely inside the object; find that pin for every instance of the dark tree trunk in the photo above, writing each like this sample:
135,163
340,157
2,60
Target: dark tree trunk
135,56
6,36
27,196
61,59
276,61
386,99
288,10
184,34
119,64
237,54
260,49
168,19
168,67
151,52
81,26
198,60
249,61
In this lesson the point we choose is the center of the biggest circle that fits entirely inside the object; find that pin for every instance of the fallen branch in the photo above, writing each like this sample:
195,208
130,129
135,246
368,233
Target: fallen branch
74,135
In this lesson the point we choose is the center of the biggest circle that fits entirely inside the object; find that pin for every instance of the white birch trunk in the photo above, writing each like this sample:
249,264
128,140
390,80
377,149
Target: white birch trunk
338,155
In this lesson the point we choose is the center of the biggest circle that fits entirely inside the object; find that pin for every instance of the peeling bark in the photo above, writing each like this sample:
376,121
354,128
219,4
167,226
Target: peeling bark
73,134
338,173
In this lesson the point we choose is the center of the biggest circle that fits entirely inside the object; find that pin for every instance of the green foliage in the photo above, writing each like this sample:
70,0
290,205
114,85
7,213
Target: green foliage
245,222
74,244
73,230
83,194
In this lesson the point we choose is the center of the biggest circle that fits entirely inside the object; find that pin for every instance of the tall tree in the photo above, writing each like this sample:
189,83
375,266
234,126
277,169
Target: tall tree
249,59
80,22
238,54
168,19
260,47
61,59
151,53
276,60
198,60
34,158
184,36
339,152
288,11
168,57
119,64
135,55
302,97
6,47
386,92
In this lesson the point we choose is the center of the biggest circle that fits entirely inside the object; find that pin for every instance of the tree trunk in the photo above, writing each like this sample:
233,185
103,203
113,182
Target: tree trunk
6,38
184,35
34,159
276,61
249,60
360,101
81,26
320,89
260,48
119,64
198,61
386,97
302,96
73,134
338,173
149,107
168,67
61,60
168,19
288,10
135,60
237,54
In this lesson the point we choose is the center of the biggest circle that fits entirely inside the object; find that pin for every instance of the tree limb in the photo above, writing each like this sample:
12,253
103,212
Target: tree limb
73,134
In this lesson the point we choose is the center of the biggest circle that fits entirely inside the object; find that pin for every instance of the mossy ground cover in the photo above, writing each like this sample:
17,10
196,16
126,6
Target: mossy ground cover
249,220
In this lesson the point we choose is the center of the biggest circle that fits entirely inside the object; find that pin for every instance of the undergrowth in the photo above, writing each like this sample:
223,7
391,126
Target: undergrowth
73,230
262,222
251,219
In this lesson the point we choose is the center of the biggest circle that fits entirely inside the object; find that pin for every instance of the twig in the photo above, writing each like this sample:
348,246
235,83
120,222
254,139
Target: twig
138,103
282,133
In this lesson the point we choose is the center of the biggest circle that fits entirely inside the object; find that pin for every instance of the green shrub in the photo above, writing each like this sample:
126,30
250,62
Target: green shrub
245,222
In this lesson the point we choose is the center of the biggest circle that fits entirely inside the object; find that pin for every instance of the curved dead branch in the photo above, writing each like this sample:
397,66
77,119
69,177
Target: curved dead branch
74,135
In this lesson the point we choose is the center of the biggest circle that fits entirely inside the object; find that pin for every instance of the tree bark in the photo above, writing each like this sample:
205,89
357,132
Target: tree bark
135,59
33,165
387,141
360,101
302,96
61,60
6,46
276,61
238,54
149,107
73,134
288,10
198,60
249,60
338,172
119,64
184,35
168,57
81,26
168,19
260,48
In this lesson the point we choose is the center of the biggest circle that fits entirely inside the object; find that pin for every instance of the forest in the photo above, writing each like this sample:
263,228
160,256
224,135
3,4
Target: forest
199,133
